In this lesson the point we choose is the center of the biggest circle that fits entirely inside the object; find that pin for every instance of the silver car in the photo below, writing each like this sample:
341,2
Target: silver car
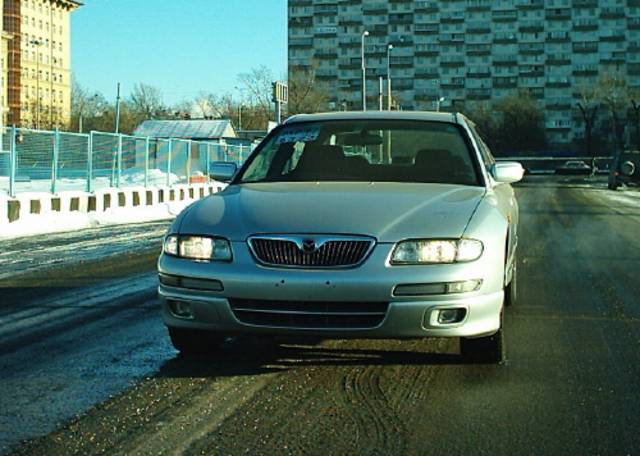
364,224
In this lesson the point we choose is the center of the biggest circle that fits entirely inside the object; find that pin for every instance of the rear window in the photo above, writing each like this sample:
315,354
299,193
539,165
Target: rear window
373,151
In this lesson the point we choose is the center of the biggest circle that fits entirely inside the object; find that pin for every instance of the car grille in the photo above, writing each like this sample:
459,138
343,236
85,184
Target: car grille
334,253
310,315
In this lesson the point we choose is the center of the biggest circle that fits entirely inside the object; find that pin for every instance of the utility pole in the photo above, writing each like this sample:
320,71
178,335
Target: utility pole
117,129
389,48
364,72
37,44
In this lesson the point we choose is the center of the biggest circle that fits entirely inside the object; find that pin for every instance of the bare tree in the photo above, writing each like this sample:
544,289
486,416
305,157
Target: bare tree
613,93
146,102
588,106
306,93
484,115
521,126
257,83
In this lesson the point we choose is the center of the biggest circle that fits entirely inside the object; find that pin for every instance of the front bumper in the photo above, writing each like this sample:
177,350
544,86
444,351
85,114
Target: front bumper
373,281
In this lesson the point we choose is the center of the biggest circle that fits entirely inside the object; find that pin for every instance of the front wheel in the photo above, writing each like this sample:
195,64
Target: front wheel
484,350
195,341
511,290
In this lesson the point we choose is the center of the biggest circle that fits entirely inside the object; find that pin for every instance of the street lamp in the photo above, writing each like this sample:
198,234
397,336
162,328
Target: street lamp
389,48
364,74
438,101
37,44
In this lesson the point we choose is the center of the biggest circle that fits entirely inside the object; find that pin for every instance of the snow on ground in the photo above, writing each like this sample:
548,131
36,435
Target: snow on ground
128,178
629,196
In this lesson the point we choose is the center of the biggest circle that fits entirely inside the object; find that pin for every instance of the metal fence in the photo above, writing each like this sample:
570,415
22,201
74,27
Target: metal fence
52,161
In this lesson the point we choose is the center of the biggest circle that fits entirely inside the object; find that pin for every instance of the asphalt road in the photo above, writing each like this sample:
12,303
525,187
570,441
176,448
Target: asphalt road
87,368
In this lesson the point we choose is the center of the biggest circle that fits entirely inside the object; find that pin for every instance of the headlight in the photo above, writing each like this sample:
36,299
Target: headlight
198,248
429,251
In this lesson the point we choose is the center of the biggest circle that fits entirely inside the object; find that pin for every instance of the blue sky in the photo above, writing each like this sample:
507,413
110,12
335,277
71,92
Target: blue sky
180,46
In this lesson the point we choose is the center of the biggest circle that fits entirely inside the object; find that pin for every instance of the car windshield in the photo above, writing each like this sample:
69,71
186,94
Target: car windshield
368,151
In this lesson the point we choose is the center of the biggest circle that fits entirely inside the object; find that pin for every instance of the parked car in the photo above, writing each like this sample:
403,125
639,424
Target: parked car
574,167
364,224
628,170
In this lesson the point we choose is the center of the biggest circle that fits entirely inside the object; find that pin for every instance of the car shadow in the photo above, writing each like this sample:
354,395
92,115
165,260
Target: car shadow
241,356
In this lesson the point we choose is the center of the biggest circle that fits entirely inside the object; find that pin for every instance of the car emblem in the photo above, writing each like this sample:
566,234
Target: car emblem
308,245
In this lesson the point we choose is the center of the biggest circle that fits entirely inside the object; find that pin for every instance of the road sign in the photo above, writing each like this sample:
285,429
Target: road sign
280,92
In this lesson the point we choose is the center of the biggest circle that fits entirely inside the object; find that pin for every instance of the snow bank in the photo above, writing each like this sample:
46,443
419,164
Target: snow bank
40,212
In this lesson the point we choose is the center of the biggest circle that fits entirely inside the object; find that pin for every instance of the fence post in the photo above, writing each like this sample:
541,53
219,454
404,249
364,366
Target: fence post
13,160
146,162
89,162
119,162
208,158
54,164
169,162
188,161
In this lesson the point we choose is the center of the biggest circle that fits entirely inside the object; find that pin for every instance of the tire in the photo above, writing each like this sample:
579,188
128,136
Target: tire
484,350
195,341
511,290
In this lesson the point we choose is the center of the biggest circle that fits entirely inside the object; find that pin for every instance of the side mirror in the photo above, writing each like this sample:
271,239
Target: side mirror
222,171
507,172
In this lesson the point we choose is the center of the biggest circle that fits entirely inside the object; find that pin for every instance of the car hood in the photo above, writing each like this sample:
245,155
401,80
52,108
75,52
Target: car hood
387,211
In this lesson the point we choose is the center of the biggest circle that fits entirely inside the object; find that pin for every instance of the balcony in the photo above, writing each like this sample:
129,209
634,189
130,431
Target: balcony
451,83
479,49
426,28
401,18
504,37
478,5
326,30
374,8
504,15
300,42
425,6
452,60
451,38
479,72
505,82
558,81
531,26
612,35
558,14
505,59
613,12
427,49
479,94
585,24
558,59
531,48
558,37
328,9
586,47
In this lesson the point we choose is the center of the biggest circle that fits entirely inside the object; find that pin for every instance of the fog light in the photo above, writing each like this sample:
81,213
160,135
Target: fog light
449,316
464,286
180,309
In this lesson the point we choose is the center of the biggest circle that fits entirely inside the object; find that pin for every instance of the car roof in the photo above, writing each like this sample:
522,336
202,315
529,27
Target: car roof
377,115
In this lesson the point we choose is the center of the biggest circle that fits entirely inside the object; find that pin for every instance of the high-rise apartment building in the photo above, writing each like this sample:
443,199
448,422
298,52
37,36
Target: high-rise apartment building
39,61
4,42
466,51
